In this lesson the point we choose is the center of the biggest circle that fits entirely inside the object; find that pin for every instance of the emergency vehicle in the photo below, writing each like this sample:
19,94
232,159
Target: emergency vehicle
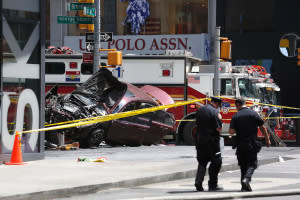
269,93
185,77
65,69
178,73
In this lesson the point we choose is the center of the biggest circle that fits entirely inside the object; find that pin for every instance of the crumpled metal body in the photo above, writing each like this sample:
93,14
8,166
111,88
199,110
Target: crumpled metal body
104,94
87,100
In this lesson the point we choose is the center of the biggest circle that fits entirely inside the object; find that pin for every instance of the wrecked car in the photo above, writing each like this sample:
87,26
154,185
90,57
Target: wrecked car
103,94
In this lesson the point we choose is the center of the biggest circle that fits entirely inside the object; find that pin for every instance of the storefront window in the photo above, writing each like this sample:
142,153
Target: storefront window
167,17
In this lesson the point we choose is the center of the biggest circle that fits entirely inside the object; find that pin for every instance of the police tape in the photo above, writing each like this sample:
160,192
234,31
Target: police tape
91,118
264,104
99,119
193,120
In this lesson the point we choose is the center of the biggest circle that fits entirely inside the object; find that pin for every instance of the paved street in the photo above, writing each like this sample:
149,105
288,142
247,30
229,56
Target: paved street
149,171
279,176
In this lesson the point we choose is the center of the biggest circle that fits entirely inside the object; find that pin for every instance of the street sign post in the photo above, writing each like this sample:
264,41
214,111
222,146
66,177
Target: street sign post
89,37
104,37
97,58
89,11
80,6
87,57
89,46
74,20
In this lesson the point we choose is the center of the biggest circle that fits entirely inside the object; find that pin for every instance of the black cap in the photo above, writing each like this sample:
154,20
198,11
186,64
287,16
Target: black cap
216,99
240,101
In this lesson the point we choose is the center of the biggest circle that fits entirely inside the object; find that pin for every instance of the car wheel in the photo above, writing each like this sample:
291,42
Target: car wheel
93,139
188,130
52,137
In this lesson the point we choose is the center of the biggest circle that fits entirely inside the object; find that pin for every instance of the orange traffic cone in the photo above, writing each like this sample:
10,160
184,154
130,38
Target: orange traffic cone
16,155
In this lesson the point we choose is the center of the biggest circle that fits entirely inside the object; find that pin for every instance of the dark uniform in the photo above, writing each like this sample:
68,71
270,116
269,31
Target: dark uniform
246,122
208,146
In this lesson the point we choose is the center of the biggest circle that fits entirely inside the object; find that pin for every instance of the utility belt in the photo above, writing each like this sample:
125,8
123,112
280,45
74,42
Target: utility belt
252,144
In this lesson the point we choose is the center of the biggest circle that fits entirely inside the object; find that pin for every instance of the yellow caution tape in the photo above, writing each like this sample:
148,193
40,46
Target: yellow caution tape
186,120
265,104
99,119
193,120
110,117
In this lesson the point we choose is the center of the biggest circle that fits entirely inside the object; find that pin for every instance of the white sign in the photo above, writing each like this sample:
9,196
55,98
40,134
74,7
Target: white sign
149,44
26,97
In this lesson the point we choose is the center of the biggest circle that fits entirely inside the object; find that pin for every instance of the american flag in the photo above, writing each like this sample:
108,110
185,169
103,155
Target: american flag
194,79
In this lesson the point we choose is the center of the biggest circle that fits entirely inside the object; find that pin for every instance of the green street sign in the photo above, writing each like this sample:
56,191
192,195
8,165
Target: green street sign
89,11
80,6
74,20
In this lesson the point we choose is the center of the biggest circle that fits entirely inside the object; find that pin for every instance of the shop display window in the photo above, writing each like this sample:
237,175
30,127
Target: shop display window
166,17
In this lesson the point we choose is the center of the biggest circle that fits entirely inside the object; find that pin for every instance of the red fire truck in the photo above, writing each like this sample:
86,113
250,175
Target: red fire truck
269,93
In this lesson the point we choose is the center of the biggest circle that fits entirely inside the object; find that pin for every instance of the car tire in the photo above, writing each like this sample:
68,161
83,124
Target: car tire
188,129
52,137
93,139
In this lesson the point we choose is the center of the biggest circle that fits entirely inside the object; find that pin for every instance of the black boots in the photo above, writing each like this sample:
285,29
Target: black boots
246,185
210,188
216,188
199,187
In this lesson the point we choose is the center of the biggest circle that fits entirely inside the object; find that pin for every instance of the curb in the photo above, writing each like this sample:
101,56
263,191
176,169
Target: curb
87,189
234,195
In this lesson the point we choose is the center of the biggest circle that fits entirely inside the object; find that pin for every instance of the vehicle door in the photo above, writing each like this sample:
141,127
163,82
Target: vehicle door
161,124
130,130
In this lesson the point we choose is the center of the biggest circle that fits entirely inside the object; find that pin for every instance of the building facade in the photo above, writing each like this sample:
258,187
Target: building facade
255,27
161,25
22,71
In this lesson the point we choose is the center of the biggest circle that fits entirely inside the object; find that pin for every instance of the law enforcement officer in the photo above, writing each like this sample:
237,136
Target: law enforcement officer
209,125
244,123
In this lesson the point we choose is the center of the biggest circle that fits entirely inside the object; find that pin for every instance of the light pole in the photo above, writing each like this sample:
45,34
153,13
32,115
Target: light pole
217,89
214,35
97,37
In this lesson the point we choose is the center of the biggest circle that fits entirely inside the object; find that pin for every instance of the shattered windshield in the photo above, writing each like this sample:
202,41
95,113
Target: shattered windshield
247,88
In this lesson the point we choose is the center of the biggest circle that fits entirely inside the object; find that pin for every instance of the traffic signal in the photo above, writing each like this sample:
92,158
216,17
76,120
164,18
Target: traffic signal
114,58
90,27
225,48
284,43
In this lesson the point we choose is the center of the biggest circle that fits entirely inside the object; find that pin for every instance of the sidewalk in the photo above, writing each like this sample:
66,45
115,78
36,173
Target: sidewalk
59,174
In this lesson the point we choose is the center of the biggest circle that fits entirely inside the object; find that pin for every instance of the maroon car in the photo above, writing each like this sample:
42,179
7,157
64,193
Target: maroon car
103,94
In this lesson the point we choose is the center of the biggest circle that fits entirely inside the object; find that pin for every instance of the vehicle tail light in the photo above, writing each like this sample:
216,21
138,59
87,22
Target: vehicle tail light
73,65
166,72
193,106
